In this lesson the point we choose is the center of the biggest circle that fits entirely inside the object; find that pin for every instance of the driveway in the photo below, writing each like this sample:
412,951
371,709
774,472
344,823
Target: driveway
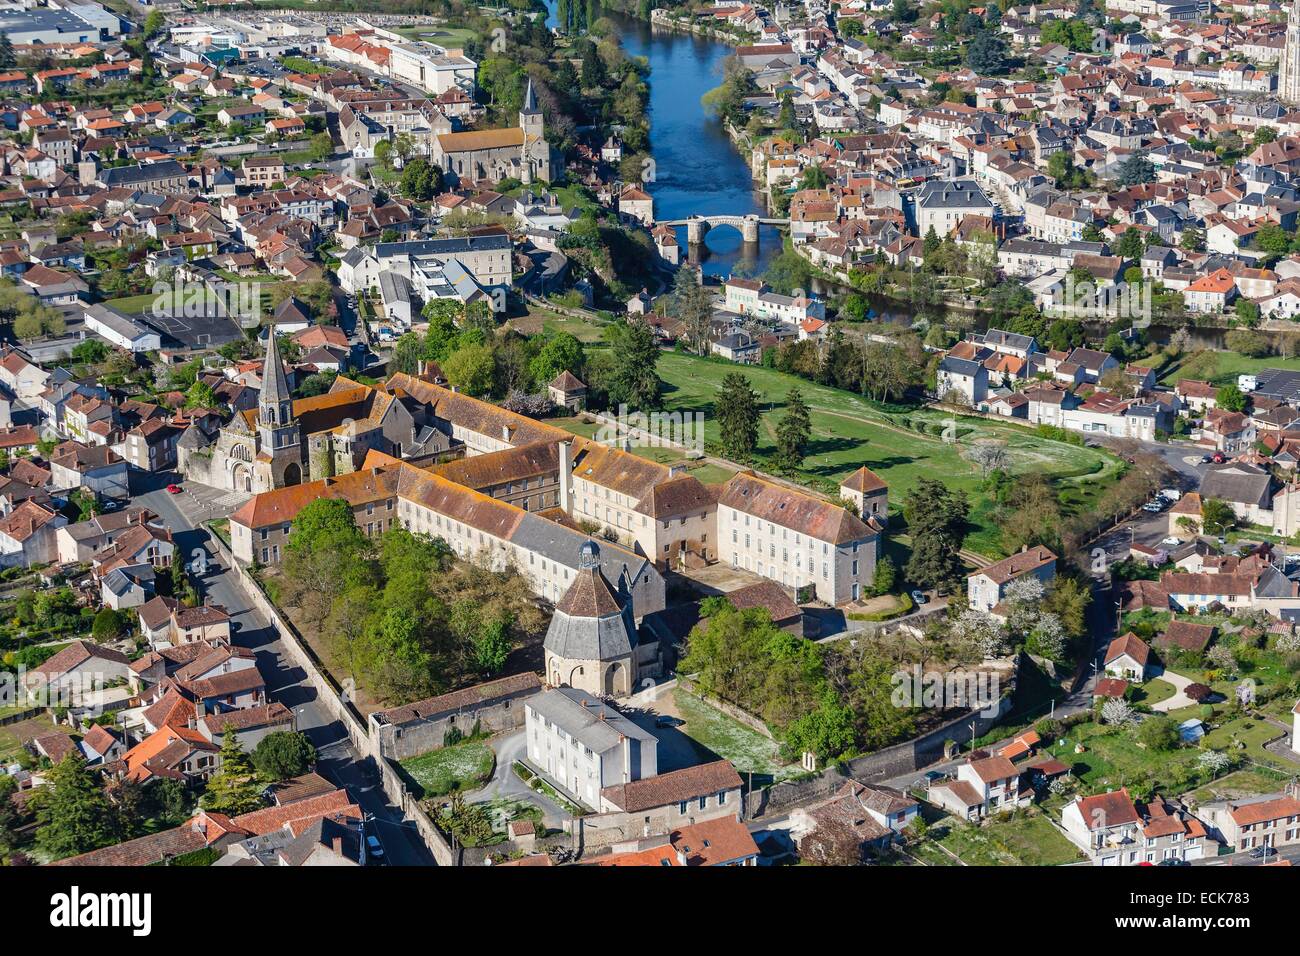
1179,699
506,785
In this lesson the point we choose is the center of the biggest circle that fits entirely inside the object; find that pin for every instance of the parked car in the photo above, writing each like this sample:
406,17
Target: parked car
1262,853
919,598
1155,507
1206,459
1170,494
173,489
1218,458
1172,541
374,849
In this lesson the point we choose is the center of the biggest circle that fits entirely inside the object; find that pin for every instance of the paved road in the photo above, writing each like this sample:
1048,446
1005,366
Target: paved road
1291,853
285,682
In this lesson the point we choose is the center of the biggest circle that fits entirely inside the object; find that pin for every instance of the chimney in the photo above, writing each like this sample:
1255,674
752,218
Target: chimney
681,858
627,758
338,846
566,475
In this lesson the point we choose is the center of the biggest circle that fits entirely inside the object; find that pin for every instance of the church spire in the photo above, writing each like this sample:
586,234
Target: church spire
530,99
275,400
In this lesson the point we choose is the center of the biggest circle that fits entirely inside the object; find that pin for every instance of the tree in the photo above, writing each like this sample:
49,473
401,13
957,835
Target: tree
154,23
234,788
559,353
737,411
1129,245
321,147
1116,711
283,754
1135,170
1197,692
321,521
1231,398
471,367
73,814
936,520
694,306
108,625
793,432
1158,733
1217,516
1248,342
986,54
7,57
421,179
632,379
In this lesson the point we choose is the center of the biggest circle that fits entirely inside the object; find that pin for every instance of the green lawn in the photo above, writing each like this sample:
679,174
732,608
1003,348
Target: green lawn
1153,692
1113,758
431,33
747,749
849,431
1239,784
1025,838
1228,365
464,766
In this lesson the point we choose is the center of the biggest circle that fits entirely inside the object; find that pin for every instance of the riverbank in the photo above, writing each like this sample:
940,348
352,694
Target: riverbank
665,20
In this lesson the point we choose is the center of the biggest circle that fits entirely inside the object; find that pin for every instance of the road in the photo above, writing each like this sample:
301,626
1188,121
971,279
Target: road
285,682
1291,853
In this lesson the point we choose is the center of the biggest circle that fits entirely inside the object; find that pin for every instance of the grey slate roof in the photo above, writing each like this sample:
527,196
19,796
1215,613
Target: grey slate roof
1236,482
584,718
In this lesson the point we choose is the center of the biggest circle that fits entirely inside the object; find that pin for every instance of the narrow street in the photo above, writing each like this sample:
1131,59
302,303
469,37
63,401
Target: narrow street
183,515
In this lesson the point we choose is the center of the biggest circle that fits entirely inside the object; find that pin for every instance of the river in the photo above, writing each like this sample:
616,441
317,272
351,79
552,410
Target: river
697,170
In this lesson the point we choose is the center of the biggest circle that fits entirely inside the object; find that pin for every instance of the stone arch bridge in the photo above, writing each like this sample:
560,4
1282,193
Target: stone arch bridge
697,227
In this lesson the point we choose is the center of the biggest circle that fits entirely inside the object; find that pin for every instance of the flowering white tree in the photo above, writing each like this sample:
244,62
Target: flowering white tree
1062,784
1214,761
981,631
988,456
1220,657
1246,692
1025,590
1289,642
1049,635
1117,711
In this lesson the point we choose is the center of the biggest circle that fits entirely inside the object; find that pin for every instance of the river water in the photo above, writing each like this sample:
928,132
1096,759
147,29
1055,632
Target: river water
697,170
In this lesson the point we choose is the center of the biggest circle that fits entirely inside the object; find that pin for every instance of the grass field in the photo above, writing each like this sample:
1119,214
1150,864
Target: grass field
1024,839
1114,759
849,431
1228,365
464,766
747,749
1240,784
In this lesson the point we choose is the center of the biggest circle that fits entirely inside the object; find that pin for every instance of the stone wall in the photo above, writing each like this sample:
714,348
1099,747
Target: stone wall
397,742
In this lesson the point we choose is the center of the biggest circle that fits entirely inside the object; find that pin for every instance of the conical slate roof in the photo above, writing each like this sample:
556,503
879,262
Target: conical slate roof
275,384
592,621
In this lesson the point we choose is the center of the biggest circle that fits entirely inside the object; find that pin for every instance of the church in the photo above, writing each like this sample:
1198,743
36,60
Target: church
286,441
518,152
